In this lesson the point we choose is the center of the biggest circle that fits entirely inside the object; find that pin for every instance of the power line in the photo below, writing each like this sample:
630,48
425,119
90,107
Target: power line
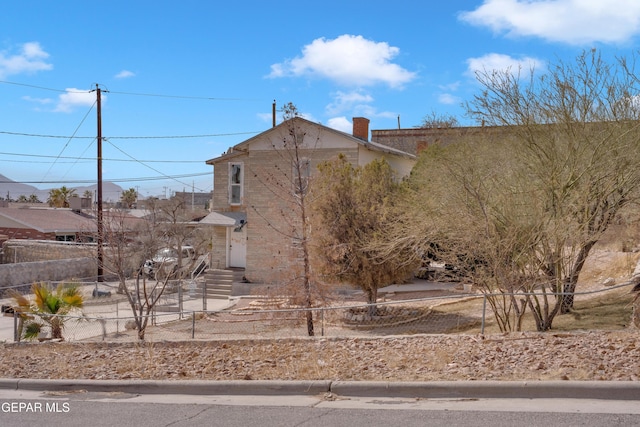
212,135
40,87
76,160
91,181
145,165
68,141
183,136
155,95
36,135
205,98
91,159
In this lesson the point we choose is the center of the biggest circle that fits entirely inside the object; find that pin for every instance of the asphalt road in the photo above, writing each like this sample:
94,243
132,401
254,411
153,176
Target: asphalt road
29,408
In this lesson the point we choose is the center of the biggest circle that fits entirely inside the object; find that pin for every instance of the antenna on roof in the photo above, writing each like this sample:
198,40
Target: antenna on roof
399,122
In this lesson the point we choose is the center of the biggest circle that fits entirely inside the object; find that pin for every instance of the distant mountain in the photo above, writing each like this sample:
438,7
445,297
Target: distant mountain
10,189
15,189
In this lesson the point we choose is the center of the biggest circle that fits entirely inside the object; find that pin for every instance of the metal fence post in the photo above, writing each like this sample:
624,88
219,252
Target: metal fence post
484,312
16,338
180,298
204,296
193,325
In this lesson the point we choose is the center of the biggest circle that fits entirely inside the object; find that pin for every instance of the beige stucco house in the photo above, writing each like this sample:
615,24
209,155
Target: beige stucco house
249,211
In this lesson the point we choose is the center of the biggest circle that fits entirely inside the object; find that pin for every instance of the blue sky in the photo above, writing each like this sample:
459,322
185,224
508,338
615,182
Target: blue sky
183,81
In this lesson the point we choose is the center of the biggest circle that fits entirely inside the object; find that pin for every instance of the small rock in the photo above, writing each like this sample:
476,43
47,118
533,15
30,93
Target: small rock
609,282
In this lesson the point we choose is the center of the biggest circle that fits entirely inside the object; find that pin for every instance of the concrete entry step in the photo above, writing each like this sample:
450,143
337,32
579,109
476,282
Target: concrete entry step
218,283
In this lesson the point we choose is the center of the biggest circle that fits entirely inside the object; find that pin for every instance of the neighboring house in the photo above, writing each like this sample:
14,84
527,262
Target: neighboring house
45,224
28,234
415,140
193,200
248,215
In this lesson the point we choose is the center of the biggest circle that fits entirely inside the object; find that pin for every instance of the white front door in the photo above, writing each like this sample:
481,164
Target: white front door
237,247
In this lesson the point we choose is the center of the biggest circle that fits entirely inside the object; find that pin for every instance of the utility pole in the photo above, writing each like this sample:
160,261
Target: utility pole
99,207
273,113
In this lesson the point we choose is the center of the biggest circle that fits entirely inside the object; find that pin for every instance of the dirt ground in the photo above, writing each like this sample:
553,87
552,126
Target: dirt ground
532,356
594,355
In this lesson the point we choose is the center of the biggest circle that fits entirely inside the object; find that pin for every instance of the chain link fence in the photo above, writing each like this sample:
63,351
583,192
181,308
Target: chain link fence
109,318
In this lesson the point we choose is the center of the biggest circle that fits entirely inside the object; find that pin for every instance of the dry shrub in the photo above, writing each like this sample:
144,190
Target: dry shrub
603,264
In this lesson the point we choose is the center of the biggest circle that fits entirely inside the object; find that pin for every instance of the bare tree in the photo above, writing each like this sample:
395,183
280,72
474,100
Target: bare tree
520,204
132,241
288,180
576,133
435,120
465,205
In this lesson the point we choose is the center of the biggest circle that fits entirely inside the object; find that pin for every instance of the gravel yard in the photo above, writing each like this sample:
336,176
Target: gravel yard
516,356
594,355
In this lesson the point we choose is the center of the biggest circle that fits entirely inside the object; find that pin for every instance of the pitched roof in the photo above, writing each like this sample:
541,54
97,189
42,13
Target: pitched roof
47,220
226,219
240,149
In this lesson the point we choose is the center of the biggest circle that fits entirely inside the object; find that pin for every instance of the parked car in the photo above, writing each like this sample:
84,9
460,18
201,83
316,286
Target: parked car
165,262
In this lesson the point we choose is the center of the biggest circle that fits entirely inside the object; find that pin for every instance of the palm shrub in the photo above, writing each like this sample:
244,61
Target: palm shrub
48,308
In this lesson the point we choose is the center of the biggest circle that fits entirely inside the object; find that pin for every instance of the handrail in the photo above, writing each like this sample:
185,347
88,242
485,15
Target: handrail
200,266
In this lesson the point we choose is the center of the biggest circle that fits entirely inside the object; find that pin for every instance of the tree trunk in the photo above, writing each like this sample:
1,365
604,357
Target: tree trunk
142,324
307,264
122,287
571,281
568,297
56,328
372,296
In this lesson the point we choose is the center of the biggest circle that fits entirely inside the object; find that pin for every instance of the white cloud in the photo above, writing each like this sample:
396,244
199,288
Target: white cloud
341,124
42,101
370,111
29,59
125,74
266,117
498,62
348,60
448,99
451,87
346,101
576,22
75,98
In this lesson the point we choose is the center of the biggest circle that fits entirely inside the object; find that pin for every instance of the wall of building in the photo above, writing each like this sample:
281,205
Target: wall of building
219,248
20,251
26,233
271,255
415,140
401,165
199,200
220,196
27,273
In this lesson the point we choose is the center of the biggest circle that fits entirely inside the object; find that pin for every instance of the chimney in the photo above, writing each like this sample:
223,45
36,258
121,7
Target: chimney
361,128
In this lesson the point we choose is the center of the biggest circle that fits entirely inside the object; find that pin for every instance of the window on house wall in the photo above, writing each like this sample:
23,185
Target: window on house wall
235,183
303,171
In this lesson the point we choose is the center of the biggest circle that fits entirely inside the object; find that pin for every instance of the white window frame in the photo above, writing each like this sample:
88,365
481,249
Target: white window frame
239,184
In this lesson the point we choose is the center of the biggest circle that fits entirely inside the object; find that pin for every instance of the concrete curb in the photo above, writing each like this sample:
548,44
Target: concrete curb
261,388
611,390
606,390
